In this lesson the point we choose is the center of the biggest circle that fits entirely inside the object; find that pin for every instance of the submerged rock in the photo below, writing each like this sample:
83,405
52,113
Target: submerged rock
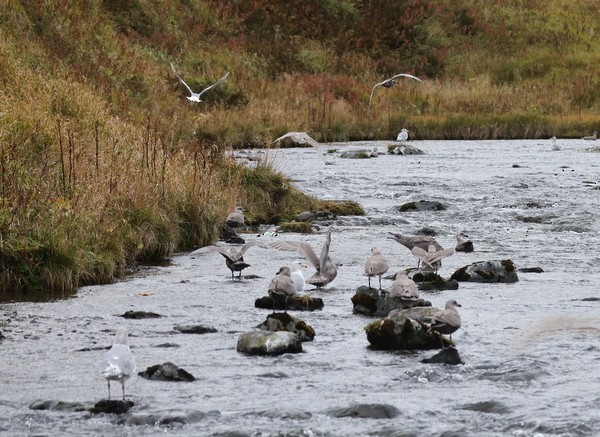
171,417
373,302
366,411
405,330
268,343
531,270
300,302
111,407
167,372
447,355
58,406
422,205
140,315
488,271
194,329
284,322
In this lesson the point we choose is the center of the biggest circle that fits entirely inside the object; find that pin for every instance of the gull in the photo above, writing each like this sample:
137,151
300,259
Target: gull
195,97
282,285
432,257
463,244
326,269
388,83
234,259
376,265
593,137
447,320
235,219
404,288
297,275
555,145
304,138
403,135
411,241
118,363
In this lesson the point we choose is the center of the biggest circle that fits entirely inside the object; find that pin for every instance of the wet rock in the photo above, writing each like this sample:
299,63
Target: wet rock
268,343
166,345
167,372
488,271
405,330
590,299
2,337
531,270
194,329
373,302
281,414
404,149
295,303
140,315
430,281
358,154
170,418
284,322
366,411
447,355
422,205
58,406
111,407
466,247
493,407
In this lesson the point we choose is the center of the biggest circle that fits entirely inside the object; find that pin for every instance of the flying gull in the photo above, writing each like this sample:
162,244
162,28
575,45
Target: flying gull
376,265
118,363
234,259
304,138
447,320
388,83
326,269
195,97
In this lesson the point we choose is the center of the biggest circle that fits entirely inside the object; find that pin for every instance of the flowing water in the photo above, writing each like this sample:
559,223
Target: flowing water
530,348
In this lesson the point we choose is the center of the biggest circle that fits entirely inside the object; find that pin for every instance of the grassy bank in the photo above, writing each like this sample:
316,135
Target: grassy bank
103,162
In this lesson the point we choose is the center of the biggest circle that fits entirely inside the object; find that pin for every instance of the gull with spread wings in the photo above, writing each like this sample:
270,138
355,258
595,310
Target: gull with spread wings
195,97
304,138
234,258
388,83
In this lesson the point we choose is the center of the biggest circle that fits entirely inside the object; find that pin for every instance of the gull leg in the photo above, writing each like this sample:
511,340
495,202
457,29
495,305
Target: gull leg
108,390
123,388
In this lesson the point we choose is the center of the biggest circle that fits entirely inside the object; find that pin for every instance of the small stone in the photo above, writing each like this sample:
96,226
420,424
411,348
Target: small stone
140,315
194,329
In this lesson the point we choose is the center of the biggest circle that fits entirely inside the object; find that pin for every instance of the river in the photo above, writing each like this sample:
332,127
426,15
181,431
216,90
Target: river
530,348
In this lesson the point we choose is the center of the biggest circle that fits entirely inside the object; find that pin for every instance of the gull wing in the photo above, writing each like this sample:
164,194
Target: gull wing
406,75
325,252
214,84
301,248
422,255
440,254
302,138
233,257
250,244
181,80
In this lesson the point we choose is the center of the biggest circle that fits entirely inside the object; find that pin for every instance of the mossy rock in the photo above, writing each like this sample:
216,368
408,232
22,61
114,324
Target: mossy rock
488,271
373,302
300,227
301,302
422,205
286,322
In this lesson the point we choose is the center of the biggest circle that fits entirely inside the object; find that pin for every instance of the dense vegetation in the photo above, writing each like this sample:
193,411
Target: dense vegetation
103,161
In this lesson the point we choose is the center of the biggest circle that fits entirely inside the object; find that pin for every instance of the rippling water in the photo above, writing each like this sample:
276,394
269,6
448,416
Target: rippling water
530,348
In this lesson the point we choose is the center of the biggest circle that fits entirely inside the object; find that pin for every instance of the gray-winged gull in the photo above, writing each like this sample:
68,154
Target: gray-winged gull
326,268
421,240
403,135
432,257
282,285
195,97
376,265
304,138
388,83
235,219
234,258
118,363
404,288
447,320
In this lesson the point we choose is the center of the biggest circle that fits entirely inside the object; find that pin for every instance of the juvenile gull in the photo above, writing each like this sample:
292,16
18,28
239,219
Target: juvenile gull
234,259
404,288
447,320
432,257
422,241
297,275
463,244
304,138
326,269
195,97
235,219
388,83
403,135
118,363
593,137
376,265
282,285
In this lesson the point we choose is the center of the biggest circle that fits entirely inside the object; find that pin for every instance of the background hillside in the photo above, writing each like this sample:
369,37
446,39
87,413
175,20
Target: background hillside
103,160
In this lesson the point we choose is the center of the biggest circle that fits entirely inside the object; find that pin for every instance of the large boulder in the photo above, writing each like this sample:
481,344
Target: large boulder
373,302
488,271
406,330
299,302
284,322
268,343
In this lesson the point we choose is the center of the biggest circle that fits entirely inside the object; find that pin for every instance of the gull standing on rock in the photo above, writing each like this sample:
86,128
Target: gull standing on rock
118,363
376,265
326,268
282,285
234,259
447,320
403,135
432,257
195,97
404,288
388,83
